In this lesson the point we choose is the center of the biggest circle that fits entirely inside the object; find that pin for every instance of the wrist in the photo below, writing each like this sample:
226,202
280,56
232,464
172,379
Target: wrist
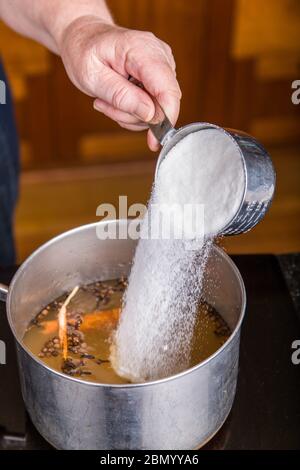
58,16
83,23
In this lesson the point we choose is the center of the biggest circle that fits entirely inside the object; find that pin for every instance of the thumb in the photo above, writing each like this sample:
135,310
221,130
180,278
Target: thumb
125,96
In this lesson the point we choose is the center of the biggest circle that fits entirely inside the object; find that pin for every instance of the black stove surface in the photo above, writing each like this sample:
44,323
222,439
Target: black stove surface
266,410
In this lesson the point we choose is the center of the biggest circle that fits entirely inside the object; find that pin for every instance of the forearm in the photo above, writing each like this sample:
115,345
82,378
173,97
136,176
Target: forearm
99,57
46,20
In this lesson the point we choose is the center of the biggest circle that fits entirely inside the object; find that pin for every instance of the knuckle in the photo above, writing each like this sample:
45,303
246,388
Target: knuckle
149,35
178,93
140,40
168,48
129,35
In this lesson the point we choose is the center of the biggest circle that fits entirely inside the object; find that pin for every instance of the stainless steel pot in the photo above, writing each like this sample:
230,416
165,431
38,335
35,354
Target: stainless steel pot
180,412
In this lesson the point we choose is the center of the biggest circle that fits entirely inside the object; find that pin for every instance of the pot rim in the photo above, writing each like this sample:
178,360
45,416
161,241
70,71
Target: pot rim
68,233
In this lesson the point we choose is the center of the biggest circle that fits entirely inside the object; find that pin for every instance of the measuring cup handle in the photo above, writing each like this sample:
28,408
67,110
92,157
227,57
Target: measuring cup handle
160,125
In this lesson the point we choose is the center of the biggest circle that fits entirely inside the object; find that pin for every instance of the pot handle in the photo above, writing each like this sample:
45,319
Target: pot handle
3,292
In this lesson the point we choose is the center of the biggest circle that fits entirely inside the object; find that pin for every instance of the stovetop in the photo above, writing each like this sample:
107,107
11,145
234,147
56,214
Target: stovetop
266,410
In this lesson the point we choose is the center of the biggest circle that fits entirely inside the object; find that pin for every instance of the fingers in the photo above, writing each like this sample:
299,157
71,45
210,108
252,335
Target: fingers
131,127
159,79
150,61
117,114
123,97
125,120
152,142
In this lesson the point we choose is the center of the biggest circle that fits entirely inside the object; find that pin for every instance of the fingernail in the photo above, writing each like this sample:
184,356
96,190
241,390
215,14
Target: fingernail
171,108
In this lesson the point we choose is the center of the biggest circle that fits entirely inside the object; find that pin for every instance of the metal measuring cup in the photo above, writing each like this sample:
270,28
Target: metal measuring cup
259,172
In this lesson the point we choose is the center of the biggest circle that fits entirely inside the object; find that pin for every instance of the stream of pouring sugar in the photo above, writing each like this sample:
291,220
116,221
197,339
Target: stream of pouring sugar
153,339
154,335
62,323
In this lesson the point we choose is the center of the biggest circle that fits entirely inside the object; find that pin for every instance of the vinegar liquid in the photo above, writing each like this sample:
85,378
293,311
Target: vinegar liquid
92,317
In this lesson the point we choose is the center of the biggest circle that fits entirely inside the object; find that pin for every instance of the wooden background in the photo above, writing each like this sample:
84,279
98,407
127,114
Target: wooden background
236,60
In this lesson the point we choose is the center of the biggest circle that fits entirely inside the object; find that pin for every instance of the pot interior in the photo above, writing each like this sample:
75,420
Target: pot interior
79,257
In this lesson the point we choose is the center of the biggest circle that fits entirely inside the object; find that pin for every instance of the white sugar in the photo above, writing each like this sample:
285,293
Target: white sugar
156,327
204,168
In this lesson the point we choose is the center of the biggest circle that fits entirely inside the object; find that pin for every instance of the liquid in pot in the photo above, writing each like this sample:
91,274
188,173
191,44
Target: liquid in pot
92,317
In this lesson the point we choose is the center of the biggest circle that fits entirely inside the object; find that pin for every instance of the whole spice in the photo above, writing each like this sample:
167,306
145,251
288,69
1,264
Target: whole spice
62,322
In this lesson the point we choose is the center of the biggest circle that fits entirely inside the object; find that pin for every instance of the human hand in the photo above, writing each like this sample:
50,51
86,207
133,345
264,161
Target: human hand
99,57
